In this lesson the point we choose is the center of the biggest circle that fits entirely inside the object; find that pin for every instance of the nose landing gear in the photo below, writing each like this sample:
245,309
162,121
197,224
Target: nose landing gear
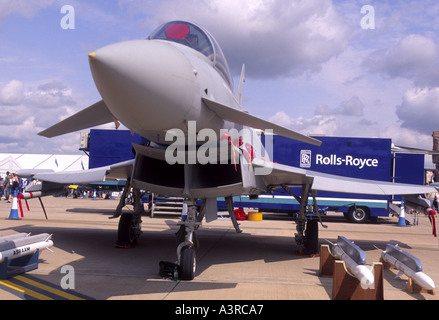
186,250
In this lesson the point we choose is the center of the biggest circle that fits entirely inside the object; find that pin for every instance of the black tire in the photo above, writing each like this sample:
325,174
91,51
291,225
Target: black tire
125,234
311,244
359,214
187,263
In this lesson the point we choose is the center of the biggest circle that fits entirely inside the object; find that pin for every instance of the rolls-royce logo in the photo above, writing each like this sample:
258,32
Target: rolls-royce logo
305,159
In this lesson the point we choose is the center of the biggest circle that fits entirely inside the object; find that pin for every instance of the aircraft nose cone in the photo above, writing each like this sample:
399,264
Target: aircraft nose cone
92,56
145,84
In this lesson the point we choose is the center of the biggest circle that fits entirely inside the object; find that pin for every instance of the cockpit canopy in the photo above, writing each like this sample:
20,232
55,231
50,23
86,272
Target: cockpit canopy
198,39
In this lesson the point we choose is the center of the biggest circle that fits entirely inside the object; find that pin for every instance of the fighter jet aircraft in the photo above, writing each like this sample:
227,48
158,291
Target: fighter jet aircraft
178,82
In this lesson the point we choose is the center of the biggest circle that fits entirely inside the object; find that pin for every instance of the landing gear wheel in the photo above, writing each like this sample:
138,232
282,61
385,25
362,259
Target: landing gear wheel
128,231
311,243
187,263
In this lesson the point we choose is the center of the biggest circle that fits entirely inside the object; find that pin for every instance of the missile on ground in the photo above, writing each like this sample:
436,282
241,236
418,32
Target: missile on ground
15,248
14,237
355,260
408,265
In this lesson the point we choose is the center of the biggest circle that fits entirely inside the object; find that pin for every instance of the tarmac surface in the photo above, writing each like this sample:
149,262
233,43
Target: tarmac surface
259,264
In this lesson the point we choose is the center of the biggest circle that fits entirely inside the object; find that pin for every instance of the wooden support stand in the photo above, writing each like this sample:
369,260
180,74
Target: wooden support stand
412,287
344,285
326,261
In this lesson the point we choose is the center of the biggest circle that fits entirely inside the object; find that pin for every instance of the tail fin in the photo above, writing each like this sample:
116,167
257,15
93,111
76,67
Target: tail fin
241,85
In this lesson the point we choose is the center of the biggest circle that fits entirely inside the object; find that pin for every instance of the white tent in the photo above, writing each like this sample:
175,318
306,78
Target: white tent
9,164
56,162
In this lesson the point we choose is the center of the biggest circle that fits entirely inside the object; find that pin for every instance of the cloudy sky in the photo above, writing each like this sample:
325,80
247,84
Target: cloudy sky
316,66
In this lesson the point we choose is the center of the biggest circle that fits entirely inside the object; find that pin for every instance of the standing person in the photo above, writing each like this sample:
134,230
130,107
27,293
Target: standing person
1,187
432,198
6,186
14,184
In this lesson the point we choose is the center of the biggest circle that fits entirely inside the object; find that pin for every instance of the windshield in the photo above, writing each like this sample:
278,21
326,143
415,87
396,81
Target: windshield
198,39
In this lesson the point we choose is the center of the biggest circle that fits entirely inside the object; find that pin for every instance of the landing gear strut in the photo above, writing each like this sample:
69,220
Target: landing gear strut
186,237
307,223
129,229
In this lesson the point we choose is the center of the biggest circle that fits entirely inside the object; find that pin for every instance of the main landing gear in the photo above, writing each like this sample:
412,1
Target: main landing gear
129,229
307,221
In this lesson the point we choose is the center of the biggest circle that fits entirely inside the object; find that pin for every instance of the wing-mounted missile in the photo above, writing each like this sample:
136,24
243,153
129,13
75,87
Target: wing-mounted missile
39,190
420,204
406,264
56,183
355,259
42,189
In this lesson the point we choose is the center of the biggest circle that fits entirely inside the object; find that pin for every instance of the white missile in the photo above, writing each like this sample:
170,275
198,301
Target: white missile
361,272
25,196
14,237
30,195
426,210
419,204
416,274
13,249
358,270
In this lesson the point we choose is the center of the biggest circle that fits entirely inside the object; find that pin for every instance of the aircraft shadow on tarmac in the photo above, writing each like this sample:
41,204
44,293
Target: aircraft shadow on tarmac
94,257
96,260
106,212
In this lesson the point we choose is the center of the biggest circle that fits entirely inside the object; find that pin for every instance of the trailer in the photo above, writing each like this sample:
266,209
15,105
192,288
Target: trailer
107,147
363,158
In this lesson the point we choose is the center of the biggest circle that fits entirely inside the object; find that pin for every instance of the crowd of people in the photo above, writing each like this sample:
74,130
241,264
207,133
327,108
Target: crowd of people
10,184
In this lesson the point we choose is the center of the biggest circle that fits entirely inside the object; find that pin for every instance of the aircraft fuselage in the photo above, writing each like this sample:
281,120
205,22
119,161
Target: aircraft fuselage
152,86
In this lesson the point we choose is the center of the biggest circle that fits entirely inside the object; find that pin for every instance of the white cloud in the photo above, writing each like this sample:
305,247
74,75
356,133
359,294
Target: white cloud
419,110
407,137
273,38
26,8
316,125
351,107
53,94
414,58
342,126
319,43
12,93
27,110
